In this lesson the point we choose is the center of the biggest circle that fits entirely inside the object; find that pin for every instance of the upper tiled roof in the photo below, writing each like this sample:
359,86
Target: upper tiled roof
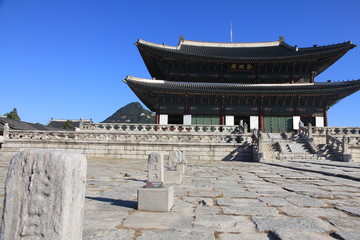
59,123
241,51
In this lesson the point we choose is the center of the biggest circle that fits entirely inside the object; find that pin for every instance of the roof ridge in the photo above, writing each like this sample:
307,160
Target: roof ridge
346,43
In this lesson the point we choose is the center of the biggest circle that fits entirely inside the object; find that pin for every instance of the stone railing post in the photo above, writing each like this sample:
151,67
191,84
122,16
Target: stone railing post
345,145
309,130
327,136
6,131
260,142
81,123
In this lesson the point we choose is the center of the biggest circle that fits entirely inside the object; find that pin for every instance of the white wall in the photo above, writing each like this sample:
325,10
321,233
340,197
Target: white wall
296,120
187,119
163,119
319,121
229,120
254,122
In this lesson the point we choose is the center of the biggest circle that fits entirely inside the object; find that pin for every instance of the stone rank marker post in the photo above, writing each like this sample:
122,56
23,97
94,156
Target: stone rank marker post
155,196
44,196
175,170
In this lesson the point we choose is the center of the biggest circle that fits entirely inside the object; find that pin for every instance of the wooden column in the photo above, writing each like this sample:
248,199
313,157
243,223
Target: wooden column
261,121
261,115
325,118
222,111
157,118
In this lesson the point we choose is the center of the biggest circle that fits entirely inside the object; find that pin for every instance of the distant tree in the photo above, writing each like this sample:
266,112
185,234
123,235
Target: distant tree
68,125
13,115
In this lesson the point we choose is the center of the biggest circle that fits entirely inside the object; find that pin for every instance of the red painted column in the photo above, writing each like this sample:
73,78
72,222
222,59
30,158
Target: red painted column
157,118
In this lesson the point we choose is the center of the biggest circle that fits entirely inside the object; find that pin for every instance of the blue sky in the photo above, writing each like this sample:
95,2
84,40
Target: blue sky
67,58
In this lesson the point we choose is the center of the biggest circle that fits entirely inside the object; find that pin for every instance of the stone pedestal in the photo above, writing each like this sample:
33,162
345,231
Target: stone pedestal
155,199
173,177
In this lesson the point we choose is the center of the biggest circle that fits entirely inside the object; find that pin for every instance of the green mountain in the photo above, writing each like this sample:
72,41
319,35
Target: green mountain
131,113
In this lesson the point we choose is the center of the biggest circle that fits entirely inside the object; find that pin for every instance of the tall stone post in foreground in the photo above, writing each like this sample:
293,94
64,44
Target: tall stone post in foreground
44,196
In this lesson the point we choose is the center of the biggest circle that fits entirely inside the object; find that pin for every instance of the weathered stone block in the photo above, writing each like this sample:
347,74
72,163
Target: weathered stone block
173,177
156,167
181,168
156,199
44,195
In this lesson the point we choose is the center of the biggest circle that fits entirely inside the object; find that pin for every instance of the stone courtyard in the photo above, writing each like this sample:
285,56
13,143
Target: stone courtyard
226,200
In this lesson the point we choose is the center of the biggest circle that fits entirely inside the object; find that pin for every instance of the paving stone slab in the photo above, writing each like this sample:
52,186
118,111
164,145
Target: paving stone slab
275,201
305,201
303,235
204,193
250,211
206,210
345,223
312,212
109,204
175,235
182,206
351,210
157,220
103,219
240,194
108,234
199,200
243,236
310,224
347,235
239,202
223,223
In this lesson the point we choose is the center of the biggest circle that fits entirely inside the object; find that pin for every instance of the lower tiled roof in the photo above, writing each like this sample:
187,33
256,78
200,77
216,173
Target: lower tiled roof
322,88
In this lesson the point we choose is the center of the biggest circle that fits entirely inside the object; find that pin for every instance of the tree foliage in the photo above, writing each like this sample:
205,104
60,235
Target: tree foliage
68,125
13,115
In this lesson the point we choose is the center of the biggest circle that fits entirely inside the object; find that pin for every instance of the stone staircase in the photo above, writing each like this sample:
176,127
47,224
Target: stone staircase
296,151
281,146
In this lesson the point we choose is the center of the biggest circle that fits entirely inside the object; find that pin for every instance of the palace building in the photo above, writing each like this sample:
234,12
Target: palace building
269,85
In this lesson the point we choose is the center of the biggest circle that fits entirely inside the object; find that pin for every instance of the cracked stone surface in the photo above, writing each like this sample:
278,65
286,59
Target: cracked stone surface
224,201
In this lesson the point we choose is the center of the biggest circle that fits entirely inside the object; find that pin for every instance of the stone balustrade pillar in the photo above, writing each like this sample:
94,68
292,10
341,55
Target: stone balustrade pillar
309,130
6,131
345,145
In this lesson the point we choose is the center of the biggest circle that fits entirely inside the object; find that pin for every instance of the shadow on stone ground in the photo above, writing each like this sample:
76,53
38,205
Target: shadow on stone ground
115,202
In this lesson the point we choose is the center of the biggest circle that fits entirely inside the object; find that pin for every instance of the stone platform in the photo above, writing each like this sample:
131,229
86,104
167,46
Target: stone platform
225,200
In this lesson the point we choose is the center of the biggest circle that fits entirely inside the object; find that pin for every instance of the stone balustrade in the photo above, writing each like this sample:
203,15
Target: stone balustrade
133,127
305,131
336,131
127,136
340,148
257,142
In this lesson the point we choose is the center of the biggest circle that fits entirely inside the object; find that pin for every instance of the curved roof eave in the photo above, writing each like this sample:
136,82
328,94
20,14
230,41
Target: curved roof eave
160,85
